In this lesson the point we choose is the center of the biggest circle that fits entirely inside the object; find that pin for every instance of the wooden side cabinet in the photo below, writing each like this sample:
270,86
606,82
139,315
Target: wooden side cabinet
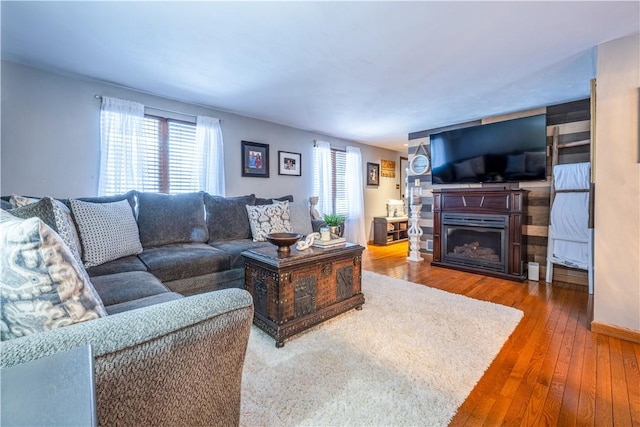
390,230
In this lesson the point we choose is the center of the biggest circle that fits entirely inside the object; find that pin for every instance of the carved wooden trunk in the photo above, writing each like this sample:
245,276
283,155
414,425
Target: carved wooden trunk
293,292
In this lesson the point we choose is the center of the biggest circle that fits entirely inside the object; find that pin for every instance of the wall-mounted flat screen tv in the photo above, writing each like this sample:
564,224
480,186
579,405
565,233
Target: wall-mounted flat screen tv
508,151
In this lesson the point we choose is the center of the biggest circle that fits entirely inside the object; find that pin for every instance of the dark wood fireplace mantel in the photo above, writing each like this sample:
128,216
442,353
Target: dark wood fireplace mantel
496,212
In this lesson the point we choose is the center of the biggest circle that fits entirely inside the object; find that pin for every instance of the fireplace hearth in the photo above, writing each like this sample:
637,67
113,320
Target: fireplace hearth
480,231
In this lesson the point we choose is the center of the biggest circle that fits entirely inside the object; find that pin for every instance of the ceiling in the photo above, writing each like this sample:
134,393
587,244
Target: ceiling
364,71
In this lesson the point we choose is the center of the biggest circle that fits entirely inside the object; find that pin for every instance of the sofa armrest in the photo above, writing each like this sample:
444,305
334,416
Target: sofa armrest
176,363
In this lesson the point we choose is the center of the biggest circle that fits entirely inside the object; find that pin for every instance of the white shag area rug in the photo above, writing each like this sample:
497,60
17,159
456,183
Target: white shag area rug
410,357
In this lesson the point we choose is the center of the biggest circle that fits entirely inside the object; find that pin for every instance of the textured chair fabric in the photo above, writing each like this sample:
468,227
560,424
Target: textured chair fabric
172,364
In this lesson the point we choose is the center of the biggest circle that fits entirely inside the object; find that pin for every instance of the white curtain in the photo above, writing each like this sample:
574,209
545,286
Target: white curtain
322,162
354,225
209,140
122,165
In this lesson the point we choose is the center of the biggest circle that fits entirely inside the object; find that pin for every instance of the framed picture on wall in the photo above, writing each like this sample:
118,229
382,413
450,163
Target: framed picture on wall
289,163
373,174
255,159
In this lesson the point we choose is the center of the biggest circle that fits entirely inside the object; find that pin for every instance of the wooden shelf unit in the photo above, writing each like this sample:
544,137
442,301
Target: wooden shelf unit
390,230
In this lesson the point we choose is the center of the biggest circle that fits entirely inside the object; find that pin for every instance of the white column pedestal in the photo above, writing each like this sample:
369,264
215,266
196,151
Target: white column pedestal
414,234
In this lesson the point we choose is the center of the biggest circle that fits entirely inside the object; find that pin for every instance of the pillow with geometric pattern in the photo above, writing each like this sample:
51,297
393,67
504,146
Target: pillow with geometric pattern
41,287
265,219
107,231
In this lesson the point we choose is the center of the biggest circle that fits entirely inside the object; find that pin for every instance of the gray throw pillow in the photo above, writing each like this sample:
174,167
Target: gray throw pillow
164,219
287,198
227,217
300,218
108,231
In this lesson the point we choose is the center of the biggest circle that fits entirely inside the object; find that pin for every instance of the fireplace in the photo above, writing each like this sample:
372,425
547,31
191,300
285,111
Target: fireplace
475,240
479,230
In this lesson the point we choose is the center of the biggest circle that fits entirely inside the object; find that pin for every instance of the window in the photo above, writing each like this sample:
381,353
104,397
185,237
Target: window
156,154
175,163
168,156
338,183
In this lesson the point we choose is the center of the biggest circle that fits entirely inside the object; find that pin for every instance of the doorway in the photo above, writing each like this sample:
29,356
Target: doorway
404,169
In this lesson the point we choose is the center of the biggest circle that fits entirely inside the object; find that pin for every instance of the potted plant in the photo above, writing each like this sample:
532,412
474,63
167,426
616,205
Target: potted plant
335,223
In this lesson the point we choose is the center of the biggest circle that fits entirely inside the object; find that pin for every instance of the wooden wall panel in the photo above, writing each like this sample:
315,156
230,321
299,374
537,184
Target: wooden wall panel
574,122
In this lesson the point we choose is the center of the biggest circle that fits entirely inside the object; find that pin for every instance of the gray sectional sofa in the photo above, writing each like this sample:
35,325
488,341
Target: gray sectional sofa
191,243
169,352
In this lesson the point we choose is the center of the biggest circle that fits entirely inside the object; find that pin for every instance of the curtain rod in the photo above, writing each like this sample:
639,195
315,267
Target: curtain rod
333,147
161,109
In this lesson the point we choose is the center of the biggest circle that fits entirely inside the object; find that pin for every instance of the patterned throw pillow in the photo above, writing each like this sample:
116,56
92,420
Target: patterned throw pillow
265,219
57,216
20,201
108,231
41,287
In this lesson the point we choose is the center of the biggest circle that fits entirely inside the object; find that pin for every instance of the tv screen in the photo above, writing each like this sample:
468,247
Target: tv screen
508,151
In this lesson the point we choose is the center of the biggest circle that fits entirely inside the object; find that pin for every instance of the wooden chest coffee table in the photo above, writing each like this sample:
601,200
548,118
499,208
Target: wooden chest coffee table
294,292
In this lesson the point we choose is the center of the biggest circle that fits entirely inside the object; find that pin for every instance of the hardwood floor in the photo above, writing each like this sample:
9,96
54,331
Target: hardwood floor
553,370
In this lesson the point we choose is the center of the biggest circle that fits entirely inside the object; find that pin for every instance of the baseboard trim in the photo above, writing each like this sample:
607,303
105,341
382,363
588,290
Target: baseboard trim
616,331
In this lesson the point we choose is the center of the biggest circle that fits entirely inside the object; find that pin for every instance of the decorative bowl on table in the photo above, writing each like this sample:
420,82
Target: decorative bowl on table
283,241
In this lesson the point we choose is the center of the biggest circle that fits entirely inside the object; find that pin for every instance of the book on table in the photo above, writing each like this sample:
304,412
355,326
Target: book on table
323,244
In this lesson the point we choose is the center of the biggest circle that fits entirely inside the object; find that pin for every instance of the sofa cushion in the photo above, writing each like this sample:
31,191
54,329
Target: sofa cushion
42,287
234,249
120,265
56,215
108,231
122,287
260,201
184,260
227,217
143,302
164,219
129,196
267,219
300,217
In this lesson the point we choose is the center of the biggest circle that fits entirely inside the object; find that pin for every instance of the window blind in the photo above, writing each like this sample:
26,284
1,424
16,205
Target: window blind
339,202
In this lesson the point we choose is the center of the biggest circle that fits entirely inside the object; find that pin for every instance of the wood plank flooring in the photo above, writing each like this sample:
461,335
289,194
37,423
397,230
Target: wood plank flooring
553,370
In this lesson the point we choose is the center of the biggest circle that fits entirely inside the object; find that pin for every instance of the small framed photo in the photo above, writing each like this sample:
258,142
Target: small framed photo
373,174
255,159
289,163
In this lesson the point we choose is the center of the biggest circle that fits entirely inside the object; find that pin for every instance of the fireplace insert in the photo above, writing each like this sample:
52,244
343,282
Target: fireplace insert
475,240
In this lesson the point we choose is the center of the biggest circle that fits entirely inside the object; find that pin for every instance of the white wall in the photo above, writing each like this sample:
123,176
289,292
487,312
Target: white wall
617,185
50,141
